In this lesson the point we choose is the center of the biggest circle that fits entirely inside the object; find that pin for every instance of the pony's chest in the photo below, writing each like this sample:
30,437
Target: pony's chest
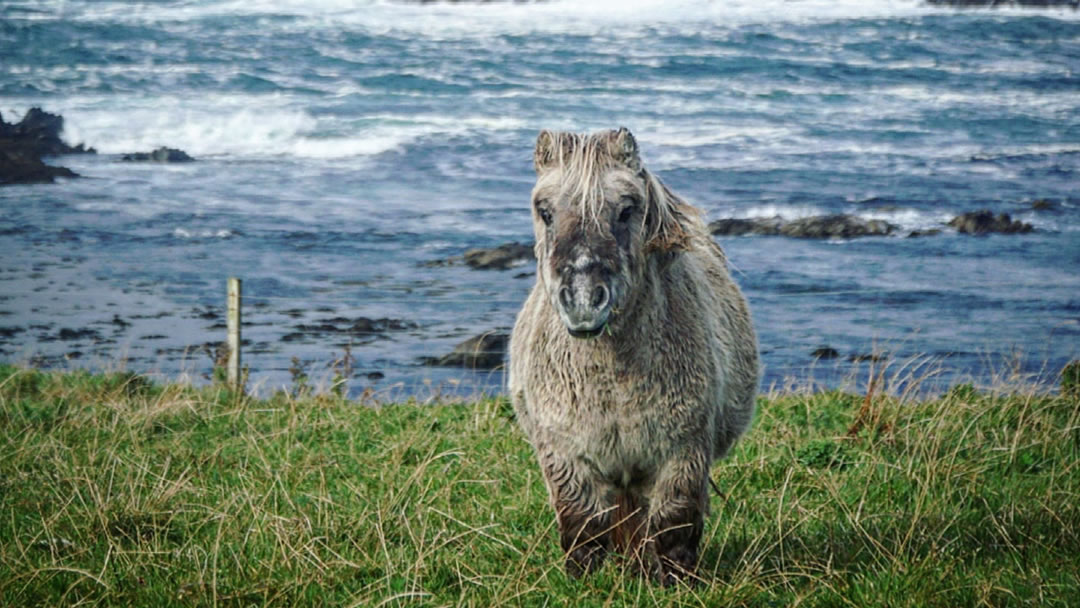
625,448
618,431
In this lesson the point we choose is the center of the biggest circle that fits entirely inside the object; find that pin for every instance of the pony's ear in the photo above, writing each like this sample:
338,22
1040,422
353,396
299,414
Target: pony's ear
623,148
552,148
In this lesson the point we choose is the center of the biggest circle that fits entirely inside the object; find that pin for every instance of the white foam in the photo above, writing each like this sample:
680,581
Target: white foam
221,125
706,134
183,233
907,218
469,19
251,126
786,212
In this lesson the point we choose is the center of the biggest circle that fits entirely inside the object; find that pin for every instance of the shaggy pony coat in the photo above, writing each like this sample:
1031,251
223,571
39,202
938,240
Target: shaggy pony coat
627,421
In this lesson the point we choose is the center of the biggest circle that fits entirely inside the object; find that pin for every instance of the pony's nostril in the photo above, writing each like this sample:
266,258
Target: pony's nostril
599,296
566,297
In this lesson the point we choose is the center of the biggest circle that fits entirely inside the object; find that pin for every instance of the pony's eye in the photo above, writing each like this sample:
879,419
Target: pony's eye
545,215
626,214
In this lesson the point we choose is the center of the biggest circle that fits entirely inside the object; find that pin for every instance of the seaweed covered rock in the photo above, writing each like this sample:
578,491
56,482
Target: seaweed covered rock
837,226
18,167
23,144
484,351
767,226
38,133
985,222
502,257
160,155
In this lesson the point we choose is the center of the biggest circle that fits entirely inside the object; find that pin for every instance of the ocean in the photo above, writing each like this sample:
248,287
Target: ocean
342,146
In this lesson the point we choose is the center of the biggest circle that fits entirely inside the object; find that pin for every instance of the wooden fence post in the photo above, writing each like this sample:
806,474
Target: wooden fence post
233,321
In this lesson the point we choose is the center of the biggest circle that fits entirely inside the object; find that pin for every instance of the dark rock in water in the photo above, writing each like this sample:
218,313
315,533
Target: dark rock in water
208,314
825,352
375,375
503,257
161,155
984,222
366,325
1044,205
835,226
39,133
362,328
16,168
1006,3
23,144
9,332
817,227
739,227
927,232
67,334
485,351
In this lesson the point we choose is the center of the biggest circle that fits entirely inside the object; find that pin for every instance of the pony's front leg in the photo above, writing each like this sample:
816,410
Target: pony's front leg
583,516
679,502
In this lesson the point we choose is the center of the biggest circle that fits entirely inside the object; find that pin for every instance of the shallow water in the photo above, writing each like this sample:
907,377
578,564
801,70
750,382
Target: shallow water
341,144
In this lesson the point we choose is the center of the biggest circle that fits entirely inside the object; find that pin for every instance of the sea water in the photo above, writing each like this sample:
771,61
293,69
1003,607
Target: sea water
342,145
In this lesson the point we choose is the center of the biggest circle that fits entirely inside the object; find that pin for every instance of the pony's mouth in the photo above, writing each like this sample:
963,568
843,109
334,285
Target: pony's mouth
588,333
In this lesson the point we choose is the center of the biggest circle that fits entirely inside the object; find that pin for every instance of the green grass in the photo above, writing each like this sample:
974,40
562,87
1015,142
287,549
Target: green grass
116,491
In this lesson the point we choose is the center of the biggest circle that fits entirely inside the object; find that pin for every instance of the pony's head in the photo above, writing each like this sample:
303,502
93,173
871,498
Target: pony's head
600,217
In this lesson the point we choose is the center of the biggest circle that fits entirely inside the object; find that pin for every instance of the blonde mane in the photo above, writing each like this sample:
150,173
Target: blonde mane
583,161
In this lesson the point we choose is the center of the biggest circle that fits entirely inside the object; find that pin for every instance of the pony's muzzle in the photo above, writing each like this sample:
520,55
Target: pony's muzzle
584,305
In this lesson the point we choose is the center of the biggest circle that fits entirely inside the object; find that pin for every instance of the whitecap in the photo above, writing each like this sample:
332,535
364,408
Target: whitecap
207,233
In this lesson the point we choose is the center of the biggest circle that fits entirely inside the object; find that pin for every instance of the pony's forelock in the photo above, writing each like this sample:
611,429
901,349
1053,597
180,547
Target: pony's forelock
583,160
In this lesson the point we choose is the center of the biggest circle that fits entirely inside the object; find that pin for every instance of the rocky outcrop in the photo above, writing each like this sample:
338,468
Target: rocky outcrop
485,351
23,144
18,167
160,155
39,132
836,226
769,226
825,352
503,257
985,222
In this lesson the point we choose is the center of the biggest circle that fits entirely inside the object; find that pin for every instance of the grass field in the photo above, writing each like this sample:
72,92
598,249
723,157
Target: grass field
116,491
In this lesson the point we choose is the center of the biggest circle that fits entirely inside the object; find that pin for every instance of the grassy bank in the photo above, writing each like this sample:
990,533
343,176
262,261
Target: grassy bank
114,491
